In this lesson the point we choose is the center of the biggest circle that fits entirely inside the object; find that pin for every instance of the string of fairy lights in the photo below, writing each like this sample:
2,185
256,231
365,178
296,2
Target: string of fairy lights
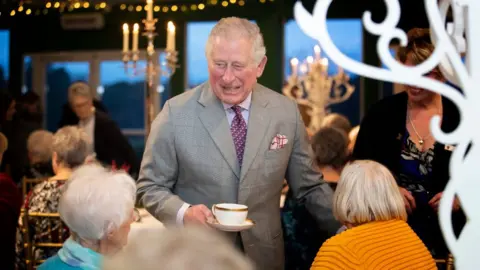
63,7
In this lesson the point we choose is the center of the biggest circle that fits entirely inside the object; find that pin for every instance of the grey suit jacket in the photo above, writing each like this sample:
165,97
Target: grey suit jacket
190,157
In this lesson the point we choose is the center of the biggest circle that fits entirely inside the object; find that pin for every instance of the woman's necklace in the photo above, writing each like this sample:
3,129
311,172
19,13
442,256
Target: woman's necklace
421,140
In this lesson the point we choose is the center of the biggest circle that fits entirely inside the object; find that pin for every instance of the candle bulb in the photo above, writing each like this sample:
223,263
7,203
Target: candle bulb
126,33
316,49
170,37
135,37
294,64
149,10
310,62
324,64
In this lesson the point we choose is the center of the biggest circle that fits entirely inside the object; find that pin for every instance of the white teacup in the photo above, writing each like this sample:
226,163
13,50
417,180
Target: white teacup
230,213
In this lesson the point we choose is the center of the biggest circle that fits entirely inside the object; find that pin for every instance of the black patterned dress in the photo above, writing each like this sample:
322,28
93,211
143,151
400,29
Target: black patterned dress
415,176
43,198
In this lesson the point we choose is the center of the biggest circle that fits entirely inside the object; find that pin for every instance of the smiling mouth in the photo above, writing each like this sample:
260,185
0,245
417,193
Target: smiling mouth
415,91
230,88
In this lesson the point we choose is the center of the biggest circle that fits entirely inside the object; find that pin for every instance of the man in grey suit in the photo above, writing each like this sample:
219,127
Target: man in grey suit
235,141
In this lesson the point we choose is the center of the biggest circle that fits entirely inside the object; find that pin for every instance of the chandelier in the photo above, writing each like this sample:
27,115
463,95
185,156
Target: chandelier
312,88
153,71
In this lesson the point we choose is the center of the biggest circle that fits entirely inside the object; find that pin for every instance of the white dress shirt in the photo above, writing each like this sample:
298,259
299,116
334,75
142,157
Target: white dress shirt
245,105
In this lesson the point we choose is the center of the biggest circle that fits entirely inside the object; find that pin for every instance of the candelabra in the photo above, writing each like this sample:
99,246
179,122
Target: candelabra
153,71
460,36
311,87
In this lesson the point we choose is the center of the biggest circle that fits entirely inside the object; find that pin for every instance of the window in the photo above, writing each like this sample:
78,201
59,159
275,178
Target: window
347,35
4,58
122,94
27,75
60,75
197,68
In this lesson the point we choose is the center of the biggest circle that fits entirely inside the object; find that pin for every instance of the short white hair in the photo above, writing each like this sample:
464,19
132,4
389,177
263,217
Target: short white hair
39,145
178,249
234,27
96,202
367,192
79,89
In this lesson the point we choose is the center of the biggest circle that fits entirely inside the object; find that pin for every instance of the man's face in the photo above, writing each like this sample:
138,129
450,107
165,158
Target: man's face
232,70
82,106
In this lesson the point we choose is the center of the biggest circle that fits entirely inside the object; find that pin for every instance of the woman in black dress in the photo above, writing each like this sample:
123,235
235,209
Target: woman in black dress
396,133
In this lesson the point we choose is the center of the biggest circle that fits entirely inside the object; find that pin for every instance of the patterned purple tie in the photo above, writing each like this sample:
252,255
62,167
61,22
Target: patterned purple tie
239,132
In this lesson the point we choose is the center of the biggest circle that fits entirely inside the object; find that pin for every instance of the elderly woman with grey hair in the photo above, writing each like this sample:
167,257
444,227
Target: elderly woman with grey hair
39,148
369,203
69,147
98,207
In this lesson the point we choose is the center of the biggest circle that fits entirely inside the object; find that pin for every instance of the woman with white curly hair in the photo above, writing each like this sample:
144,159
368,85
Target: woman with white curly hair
98,207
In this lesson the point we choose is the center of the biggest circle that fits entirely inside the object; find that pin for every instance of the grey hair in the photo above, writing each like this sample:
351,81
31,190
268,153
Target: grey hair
39,145
71,144
367,192
234,27
179,249
79,89
96,202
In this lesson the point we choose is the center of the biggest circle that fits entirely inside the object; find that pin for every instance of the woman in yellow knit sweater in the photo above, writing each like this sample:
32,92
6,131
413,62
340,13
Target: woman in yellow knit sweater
367,201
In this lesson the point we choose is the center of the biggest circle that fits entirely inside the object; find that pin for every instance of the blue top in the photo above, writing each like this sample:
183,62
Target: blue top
73,256
55,263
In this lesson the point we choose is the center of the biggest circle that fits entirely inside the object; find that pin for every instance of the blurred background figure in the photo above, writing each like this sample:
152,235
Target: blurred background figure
301,235
108,143
7,111
30,111
330,147
337,121
39,149
179,249
70,118
10,203
368,202
98,208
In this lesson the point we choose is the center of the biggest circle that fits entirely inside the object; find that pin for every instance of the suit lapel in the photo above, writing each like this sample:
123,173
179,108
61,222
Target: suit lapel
258,123
214,119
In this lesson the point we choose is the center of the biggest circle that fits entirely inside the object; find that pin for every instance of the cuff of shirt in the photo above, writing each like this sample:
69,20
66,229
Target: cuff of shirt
181,213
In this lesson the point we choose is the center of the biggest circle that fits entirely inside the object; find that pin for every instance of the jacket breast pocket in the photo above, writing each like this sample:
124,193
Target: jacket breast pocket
277,153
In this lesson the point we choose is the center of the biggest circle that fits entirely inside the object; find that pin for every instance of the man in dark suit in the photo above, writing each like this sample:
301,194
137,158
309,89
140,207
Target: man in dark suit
110,146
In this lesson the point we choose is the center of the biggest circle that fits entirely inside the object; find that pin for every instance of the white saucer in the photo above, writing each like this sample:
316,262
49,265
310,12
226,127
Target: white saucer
231,228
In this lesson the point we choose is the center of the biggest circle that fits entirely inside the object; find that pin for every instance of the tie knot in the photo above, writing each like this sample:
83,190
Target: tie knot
237,109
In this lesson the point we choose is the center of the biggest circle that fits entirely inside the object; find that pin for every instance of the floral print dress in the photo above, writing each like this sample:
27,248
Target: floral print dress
43,198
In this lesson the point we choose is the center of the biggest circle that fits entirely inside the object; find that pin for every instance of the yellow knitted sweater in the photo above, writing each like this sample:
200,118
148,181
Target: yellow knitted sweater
376,245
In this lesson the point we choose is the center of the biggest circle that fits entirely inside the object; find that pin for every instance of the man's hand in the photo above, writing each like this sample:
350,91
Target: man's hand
408,199
197,214
435,202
